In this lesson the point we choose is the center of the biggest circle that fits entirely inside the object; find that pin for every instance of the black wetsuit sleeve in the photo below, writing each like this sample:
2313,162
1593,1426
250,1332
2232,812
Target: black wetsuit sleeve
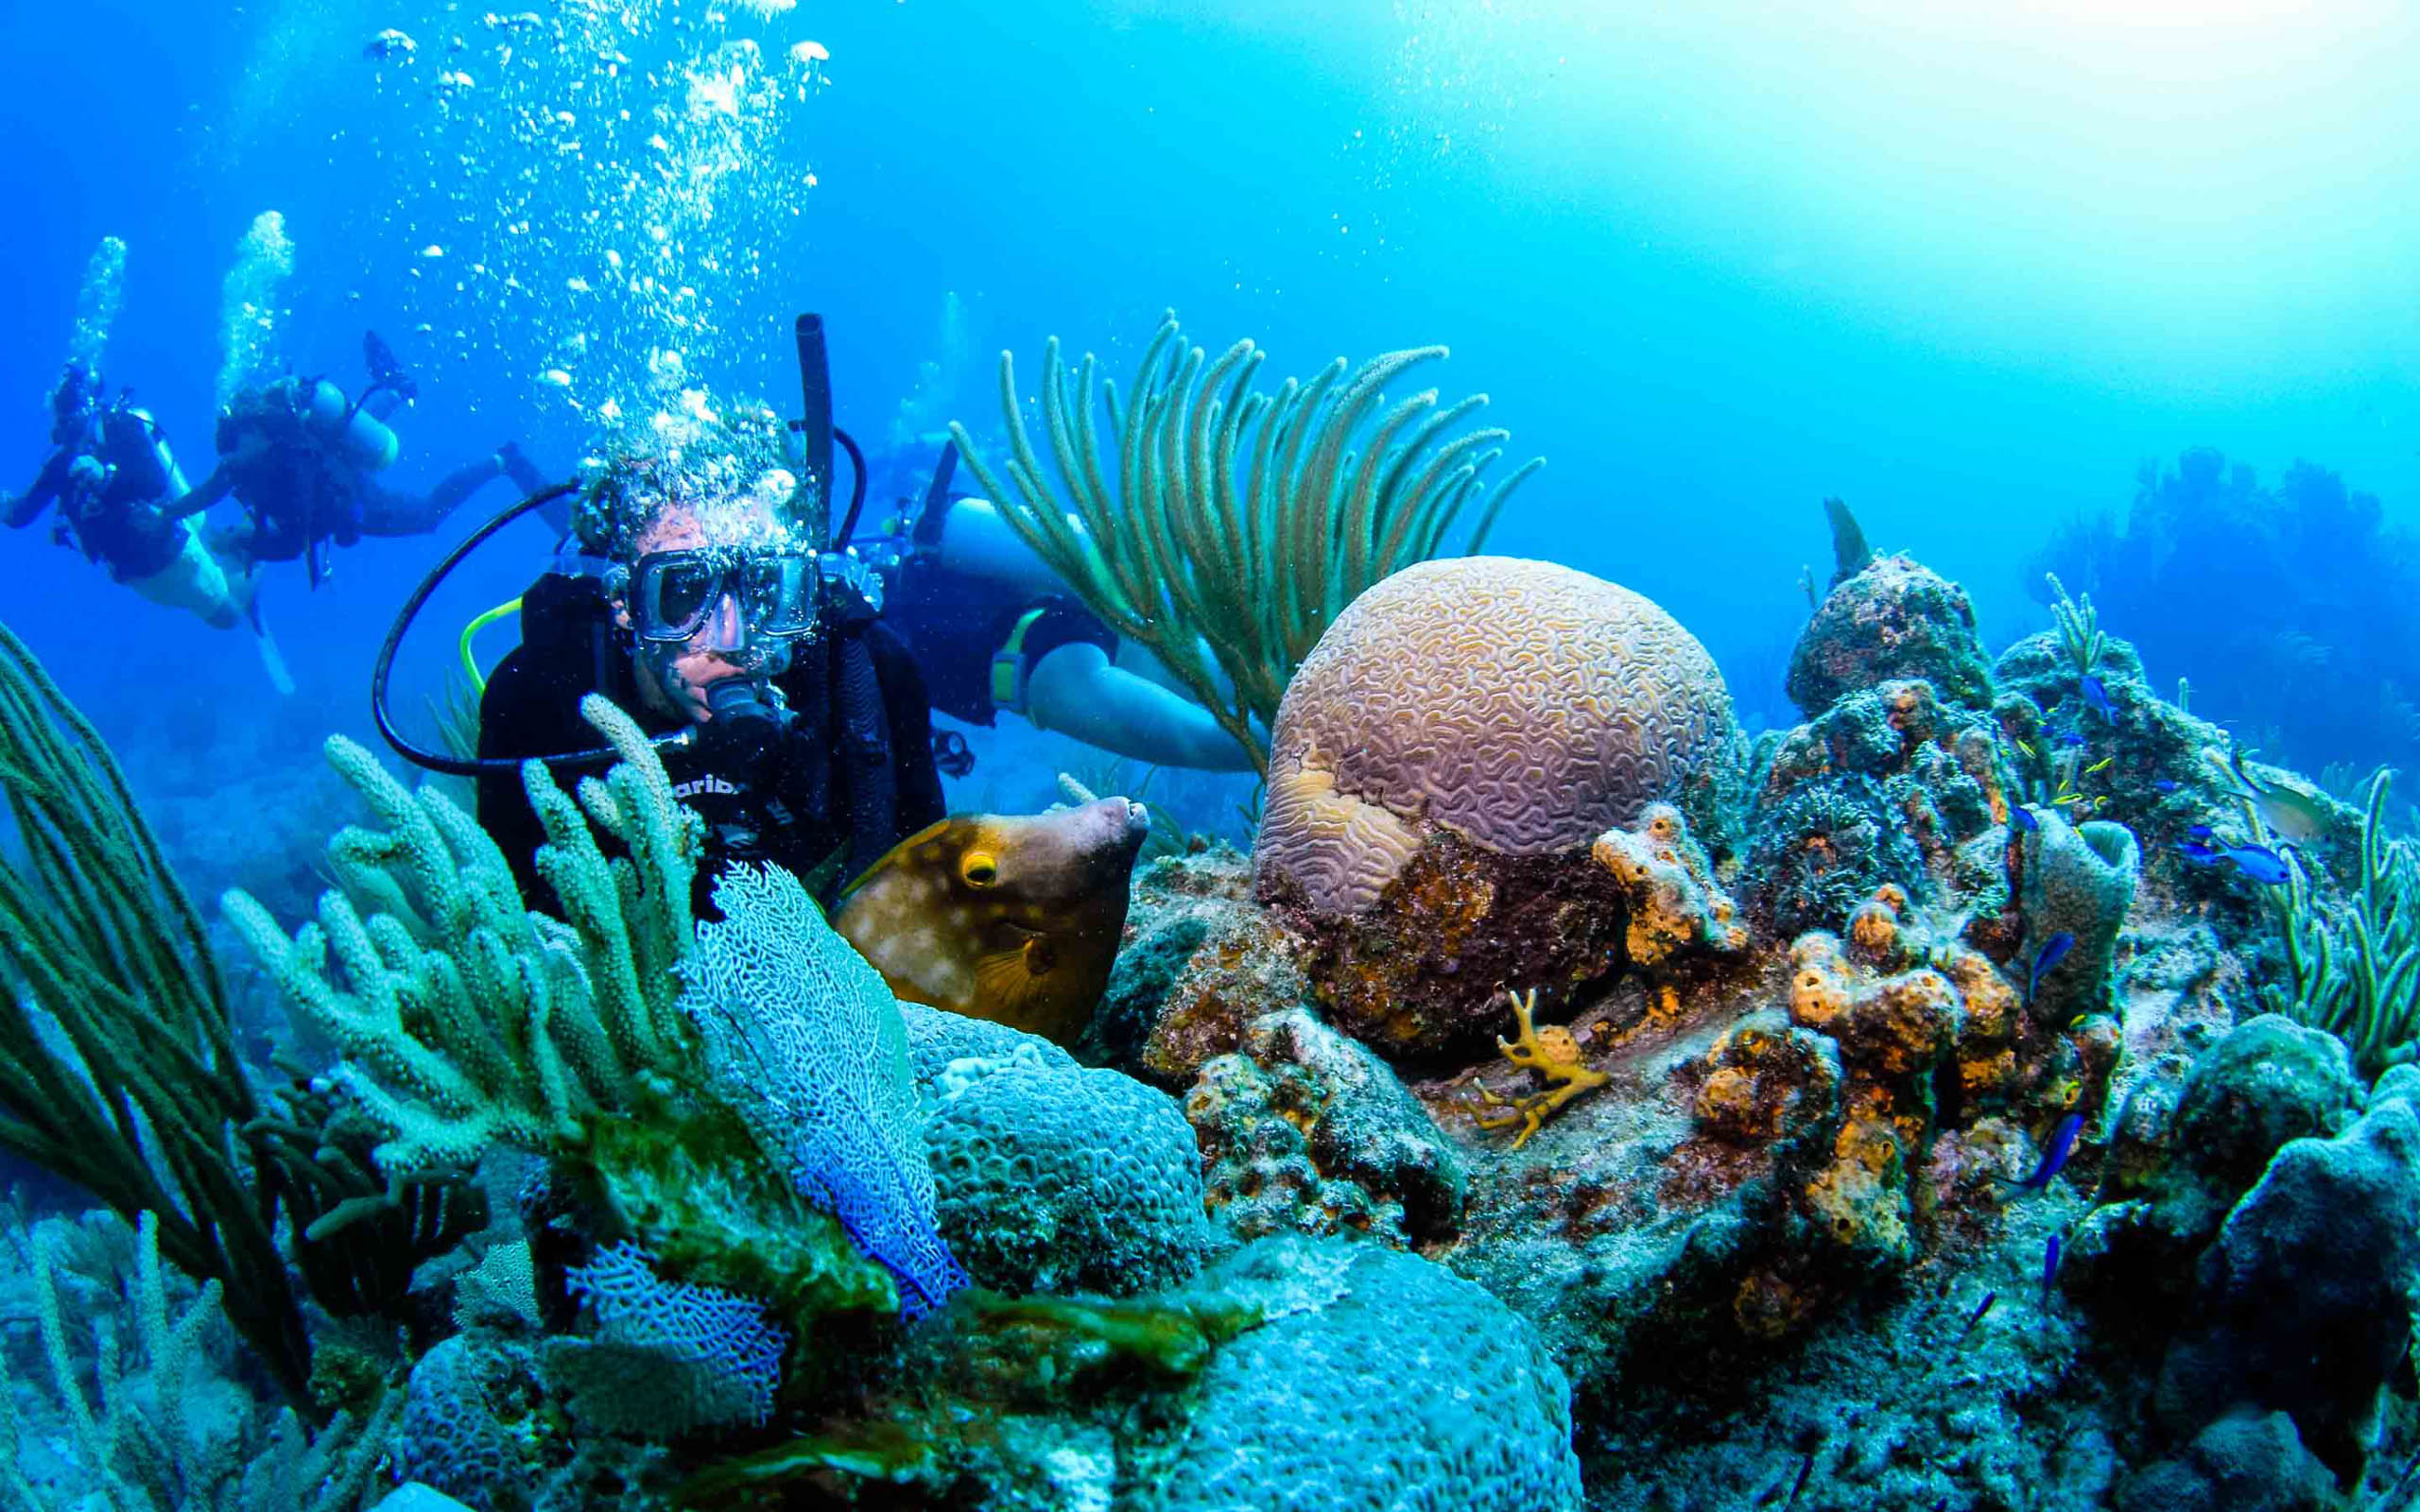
918,799
29,505
516,721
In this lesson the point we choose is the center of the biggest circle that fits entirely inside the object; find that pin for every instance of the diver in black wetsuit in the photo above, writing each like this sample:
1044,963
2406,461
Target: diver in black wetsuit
303,460
120,498
809,742
993,628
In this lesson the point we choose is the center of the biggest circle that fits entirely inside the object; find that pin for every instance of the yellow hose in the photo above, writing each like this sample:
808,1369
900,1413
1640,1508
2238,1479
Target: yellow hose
470,666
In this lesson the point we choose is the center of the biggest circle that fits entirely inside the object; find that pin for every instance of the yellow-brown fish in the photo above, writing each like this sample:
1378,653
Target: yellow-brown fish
1010,917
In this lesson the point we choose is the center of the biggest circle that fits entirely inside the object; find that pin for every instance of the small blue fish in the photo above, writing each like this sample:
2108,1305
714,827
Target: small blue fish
2164,784
2096,697
2022,817
2053,951
2049,1271
2070,738
2054,1159
2262,864
1976,1317
2200,831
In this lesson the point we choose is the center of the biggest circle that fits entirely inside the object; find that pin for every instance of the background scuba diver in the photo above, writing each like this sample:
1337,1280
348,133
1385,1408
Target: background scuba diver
809,743
123,502
993,628
304,461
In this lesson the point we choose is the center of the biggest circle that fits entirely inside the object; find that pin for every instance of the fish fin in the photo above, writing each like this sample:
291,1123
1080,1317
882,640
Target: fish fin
1012,986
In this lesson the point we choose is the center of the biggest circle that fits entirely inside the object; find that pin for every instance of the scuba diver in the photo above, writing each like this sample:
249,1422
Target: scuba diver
303,460
993,628
787,715
121,501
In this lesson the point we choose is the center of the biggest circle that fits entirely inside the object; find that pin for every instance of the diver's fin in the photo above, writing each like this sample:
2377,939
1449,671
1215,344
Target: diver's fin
272,661
385,370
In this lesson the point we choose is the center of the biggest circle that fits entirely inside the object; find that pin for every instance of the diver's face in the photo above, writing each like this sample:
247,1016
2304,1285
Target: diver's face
674,679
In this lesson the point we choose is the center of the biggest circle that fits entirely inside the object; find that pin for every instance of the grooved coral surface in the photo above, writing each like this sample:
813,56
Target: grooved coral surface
1523,704
1058,1177
1406,1389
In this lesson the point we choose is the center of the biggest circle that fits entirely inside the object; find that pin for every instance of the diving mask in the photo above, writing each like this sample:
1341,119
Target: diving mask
674,594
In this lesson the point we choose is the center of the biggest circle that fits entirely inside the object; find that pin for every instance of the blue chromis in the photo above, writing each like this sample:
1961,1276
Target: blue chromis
2096,697
2054,1158
2022,817
2053,951
2258,862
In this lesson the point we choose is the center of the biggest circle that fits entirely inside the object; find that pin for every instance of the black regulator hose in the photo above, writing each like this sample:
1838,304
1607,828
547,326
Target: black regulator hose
857,492
383,671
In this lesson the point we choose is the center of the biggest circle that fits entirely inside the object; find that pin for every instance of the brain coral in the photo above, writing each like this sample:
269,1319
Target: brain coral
1054,1177
1406,1389
1522,704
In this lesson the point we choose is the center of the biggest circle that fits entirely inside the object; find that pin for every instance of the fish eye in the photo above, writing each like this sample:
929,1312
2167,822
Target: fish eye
979,869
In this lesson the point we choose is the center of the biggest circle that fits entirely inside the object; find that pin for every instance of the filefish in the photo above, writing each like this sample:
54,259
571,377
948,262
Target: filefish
2054,1159
1014,918
2053,951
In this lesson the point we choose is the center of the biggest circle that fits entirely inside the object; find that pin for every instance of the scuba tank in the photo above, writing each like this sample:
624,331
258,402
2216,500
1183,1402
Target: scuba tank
358,435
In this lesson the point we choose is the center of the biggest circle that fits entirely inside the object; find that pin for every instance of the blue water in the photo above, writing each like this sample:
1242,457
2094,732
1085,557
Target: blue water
1968,274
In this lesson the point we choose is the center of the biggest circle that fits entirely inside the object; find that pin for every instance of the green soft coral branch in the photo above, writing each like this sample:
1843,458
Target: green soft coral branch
1239,523
2353,967
118,1060
466,1019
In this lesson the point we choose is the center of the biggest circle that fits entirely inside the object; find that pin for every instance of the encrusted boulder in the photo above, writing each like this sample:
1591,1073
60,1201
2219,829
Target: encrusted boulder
1889,785
1305,1131
1200,961
1439,767
2307,1295
1893,621
1382,1380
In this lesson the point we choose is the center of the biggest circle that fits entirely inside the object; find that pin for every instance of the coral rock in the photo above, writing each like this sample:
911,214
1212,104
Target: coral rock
1305,1131
2307,1291
1396,1385
1891,786
1674,905
1894,619
1055,1177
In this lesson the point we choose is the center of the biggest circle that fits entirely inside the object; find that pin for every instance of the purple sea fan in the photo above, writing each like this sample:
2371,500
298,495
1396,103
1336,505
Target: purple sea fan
804,1040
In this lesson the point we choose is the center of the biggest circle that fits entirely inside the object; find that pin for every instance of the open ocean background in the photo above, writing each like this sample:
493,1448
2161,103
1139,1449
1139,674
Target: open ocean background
1967,271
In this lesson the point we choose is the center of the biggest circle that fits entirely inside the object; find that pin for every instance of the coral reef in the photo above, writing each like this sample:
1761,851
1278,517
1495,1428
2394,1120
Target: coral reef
1199,963
2305,1300
1891,621
1303,1130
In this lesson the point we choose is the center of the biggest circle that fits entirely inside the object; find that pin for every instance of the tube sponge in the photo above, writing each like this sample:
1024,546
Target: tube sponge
2079,881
